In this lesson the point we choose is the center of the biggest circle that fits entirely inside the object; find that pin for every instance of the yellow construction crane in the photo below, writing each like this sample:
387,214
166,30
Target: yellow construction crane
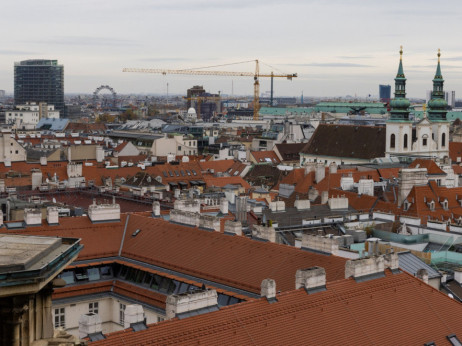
256,76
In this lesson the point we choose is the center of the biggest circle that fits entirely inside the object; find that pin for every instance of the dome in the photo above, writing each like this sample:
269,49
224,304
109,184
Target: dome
400,103
437,104
191,111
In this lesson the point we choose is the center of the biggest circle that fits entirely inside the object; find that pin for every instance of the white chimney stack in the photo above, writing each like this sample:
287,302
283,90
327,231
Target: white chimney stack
268,289
32,217
310,278
133,313
180,303
156,208
52,216
233,227
89,324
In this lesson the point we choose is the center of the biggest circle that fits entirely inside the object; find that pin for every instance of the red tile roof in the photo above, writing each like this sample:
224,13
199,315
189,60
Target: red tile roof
455,151
430,165
265,157
397,309
223,181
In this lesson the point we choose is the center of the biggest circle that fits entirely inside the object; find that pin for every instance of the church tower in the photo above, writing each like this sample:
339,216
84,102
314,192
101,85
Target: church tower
399,127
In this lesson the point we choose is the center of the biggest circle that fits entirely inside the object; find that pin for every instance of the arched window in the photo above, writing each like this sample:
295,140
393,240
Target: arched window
405,141
443,140
392,141
424,140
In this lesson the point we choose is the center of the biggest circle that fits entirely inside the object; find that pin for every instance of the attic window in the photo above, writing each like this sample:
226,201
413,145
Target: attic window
431,205
454,340
134,234
445,204
406,205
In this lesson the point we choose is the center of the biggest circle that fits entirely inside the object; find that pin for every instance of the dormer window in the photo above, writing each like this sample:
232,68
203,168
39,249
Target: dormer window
431,205
406,205
445,204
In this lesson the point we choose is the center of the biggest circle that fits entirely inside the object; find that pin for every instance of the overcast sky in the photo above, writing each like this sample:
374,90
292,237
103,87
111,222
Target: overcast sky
337,47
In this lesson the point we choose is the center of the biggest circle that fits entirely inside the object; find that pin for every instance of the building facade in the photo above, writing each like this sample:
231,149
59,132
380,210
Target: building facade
39,81
30,114
428,138
385,93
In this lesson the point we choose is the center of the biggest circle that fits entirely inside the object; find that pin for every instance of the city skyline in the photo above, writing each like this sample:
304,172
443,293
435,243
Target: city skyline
337,49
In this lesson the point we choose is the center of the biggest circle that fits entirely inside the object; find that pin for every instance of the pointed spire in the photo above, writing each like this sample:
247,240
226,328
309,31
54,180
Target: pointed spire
400,68
438,74
400,104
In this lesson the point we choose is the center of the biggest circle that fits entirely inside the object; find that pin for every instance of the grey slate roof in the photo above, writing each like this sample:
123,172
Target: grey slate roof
411,264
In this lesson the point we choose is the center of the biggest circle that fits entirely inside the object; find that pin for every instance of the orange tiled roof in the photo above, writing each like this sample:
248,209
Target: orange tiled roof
230,260
223,181
268,156
430,165
455,151
347,313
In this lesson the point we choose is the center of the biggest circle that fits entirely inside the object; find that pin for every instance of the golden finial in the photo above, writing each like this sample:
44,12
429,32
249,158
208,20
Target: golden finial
439,54
401,53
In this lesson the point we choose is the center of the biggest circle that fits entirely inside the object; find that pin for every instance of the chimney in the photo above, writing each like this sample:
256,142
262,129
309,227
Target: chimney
32,217
333,168
302,204
320,172
178,304
264,233
233,227
422,274
324,197
176,193
89,324
52,216
99,154
224,205
268,289
133,314
391,258
312,279
364,267
320,243
210,222
156,209
43,161
104,212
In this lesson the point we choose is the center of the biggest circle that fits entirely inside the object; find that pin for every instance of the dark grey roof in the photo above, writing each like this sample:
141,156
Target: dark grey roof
361,142
411,264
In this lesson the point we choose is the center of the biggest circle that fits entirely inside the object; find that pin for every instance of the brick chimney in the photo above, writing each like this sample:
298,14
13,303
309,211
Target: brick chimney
312,279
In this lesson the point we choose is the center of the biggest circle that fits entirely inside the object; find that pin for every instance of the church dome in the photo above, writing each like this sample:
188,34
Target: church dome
437,104
400,103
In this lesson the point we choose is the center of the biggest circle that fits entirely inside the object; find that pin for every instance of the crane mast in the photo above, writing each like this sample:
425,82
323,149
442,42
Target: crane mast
256,76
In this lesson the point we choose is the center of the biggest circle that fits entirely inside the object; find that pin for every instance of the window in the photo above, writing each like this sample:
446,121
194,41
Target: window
60,318
424,141
122,313
93,274
179,148
68,276
405,141
93,308
392,141
443,140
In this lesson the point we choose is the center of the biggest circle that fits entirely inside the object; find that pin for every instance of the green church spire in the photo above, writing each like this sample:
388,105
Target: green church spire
400,104
437,106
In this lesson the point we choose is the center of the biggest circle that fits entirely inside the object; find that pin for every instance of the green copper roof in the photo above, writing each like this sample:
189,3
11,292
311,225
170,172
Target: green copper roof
438,74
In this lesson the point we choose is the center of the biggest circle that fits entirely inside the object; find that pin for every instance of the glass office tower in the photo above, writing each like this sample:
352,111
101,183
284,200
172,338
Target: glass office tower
39,81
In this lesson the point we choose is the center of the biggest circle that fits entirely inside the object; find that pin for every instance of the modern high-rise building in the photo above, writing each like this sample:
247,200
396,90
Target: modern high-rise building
385,93
450,97
39,81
